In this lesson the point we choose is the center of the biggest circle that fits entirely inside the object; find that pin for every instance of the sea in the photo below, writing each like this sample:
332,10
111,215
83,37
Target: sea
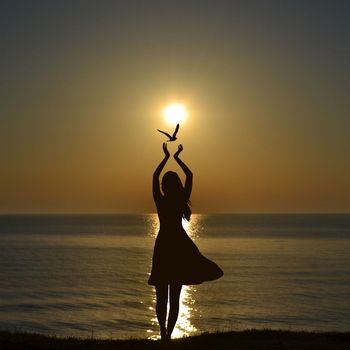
86,275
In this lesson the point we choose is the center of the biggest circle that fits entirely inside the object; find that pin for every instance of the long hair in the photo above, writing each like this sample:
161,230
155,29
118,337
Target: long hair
173,189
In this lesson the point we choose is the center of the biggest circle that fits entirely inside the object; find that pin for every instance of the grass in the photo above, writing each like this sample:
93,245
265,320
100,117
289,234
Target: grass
244,340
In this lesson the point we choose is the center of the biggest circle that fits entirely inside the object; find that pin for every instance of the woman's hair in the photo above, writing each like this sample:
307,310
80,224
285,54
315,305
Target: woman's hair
172,188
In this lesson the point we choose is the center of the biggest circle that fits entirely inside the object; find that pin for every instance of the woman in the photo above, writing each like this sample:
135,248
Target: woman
176,259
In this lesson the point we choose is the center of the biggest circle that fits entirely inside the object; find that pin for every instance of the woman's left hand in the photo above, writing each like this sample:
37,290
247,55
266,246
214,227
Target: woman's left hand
165,149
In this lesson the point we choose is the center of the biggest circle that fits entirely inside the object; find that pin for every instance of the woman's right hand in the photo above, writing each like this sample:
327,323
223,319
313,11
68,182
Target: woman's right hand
179,150
165,149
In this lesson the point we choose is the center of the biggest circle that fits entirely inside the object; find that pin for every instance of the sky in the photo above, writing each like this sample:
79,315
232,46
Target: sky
266,84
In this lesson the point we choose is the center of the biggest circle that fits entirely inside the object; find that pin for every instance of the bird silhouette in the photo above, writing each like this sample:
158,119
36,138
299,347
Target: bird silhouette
173,137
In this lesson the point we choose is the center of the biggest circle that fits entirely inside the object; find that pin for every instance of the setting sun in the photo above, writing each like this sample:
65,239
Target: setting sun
175,113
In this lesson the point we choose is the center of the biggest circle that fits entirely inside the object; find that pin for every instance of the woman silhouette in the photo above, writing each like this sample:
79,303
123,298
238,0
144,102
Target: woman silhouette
176,259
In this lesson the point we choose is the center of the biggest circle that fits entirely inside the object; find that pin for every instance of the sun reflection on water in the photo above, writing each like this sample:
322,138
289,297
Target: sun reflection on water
193,227
184,327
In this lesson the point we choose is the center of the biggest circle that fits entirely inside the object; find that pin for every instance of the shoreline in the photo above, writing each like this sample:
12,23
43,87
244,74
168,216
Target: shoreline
238,340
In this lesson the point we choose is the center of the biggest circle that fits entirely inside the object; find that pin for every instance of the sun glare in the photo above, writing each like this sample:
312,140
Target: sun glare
175,113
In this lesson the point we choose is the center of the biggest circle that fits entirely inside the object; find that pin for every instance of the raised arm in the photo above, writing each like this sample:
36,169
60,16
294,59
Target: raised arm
157,195
187,171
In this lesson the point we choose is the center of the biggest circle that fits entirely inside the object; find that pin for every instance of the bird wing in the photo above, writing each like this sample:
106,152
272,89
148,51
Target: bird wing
165,133
176,130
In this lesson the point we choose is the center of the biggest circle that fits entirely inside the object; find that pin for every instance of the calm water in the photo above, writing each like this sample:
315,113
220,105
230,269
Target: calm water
87,275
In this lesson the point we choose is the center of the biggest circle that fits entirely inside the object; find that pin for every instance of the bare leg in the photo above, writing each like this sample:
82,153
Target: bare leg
175,290
161,307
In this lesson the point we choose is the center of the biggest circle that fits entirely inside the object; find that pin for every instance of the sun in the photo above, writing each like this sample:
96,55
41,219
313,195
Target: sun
175,113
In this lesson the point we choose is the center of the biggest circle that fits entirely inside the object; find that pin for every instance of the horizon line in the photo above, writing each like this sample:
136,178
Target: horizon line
196,213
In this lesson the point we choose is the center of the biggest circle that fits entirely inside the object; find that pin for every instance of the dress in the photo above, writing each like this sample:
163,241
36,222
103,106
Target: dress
176,259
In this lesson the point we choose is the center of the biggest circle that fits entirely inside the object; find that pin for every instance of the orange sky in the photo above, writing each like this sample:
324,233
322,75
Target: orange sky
268,126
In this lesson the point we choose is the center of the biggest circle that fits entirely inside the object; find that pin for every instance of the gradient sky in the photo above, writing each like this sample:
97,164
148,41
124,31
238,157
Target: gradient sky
83,83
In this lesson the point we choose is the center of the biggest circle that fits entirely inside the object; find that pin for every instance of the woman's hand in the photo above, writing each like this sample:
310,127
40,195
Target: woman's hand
179,150
165,149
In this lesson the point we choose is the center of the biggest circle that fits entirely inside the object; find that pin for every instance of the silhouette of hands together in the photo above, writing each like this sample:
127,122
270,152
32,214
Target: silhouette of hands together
166,152
179,150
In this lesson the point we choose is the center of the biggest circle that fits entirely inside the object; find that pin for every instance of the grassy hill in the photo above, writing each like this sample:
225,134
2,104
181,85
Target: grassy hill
245,340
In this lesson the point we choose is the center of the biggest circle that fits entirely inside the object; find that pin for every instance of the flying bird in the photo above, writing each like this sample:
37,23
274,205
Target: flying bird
173,137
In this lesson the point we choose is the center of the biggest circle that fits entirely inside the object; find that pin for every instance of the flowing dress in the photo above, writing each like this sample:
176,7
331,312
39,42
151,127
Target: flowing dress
176,259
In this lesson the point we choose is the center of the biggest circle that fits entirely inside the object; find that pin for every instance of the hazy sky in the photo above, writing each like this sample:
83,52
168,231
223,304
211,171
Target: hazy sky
83,83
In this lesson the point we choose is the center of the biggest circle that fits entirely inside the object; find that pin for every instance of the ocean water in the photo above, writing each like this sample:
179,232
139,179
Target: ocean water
86,275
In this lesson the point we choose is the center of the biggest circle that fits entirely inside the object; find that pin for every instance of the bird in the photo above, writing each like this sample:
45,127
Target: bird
173,137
